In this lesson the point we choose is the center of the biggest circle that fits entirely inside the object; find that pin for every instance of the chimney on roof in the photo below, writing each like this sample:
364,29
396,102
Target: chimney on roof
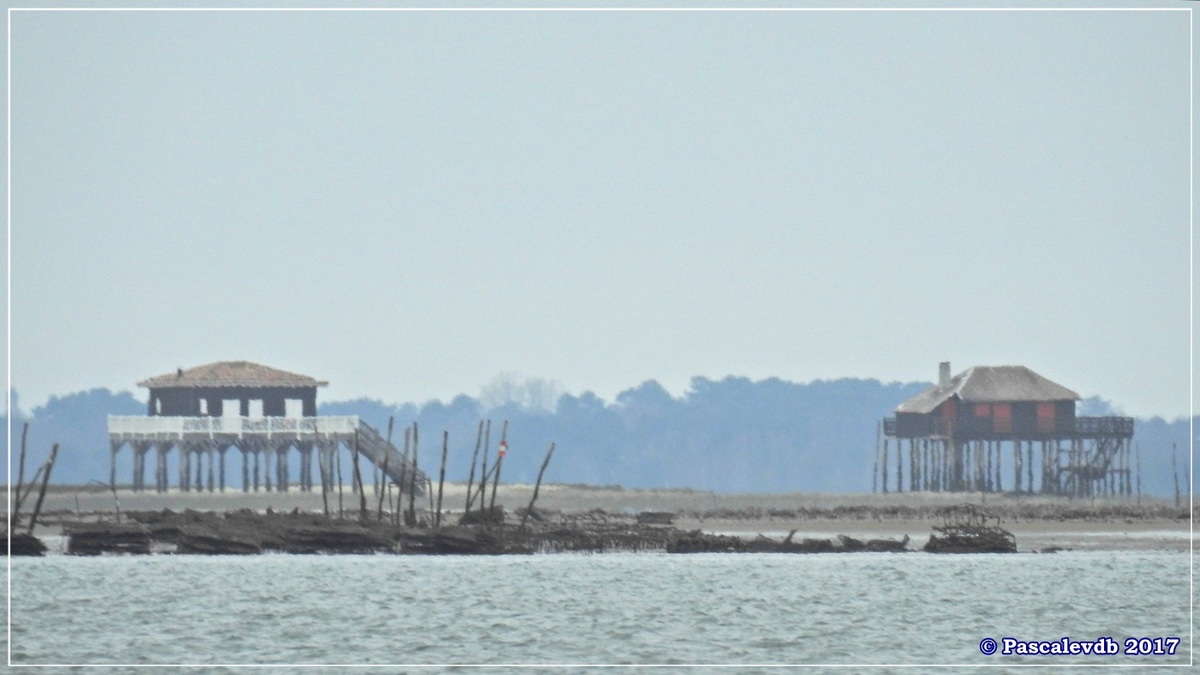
179,372
943,373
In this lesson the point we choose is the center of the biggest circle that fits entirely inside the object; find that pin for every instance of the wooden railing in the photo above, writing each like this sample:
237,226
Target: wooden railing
993,427
125,426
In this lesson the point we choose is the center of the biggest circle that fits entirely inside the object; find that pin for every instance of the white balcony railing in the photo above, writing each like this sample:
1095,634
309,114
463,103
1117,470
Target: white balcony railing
231,426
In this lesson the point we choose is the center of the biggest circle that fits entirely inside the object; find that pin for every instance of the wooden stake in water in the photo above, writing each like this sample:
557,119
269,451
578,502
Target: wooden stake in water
20,476
1175,473
42,493
412,481
474,461
442,478
875,470
362,489
386,456
324,481
487,439
337,449
537,485
499,462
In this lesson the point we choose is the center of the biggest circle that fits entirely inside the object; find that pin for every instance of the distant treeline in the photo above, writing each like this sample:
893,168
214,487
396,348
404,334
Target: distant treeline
729,435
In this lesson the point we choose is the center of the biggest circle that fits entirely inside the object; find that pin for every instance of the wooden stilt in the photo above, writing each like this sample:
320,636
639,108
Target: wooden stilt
1029,466
112,467
987,452
267,468
1017,467
874,470
885,465
322,461
1137,450
337,458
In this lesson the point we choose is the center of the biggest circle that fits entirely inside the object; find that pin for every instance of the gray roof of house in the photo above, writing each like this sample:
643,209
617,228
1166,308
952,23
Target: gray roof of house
990,384
230,374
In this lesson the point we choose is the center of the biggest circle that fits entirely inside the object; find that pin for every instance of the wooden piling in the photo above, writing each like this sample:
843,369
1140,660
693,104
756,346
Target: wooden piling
1175,474
362,489
1137,452
37,509
337,459
537,486
386,456
499,463
884,465
875,470
474,460
412,481
324,480
487,440
21,467
441,478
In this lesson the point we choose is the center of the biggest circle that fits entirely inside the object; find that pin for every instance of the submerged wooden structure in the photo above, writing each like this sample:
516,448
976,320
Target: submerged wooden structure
266,414
967,529
970,430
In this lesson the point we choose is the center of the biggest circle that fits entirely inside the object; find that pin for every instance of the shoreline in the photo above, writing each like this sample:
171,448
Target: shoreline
1039,522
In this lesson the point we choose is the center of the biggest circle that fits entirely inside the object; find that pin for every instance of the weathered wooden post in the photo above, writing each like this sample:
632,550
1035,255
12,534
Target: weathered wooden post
442,478
362,489
875,470
1137,451
537,486
37,509
503,450
487,440
337,458
387,454
324,480
884,464
1175,474
412,481
474,460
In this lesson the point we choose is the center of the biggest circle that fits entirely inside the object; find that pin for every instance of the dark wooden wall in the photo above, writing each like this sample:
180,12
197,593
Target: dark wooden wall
185,401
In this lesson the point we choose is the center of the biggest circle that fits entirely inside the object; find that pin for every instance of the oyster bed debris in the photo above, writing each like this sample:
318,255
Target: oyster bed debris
247,532
968,529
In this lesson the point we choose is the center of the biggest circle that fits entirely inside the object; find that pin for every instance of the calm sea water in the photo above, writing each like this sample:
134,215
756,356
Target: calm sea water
740,610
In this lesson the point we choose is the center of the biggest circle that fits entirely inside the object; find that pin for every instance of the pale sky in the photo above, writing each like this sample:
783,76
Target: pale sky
408,204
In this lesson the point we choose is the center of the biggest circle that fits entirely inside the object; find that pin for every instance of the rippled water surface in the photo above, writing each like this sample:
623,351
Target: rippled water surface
588,609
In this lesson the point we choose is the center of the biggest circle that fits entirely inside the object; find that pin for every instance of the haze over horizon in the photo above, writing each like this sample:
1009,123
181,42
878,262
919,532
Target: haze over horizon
409,204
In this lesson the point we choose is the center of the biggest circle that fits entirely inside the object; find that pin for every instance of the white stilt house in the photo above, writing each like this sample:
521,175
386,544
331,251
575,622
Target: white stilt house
263,412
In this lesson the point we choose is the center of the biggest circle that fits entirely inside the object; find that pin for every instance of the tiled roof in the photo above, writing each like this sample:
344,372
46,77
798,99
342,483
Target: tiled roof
990,384
230,374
